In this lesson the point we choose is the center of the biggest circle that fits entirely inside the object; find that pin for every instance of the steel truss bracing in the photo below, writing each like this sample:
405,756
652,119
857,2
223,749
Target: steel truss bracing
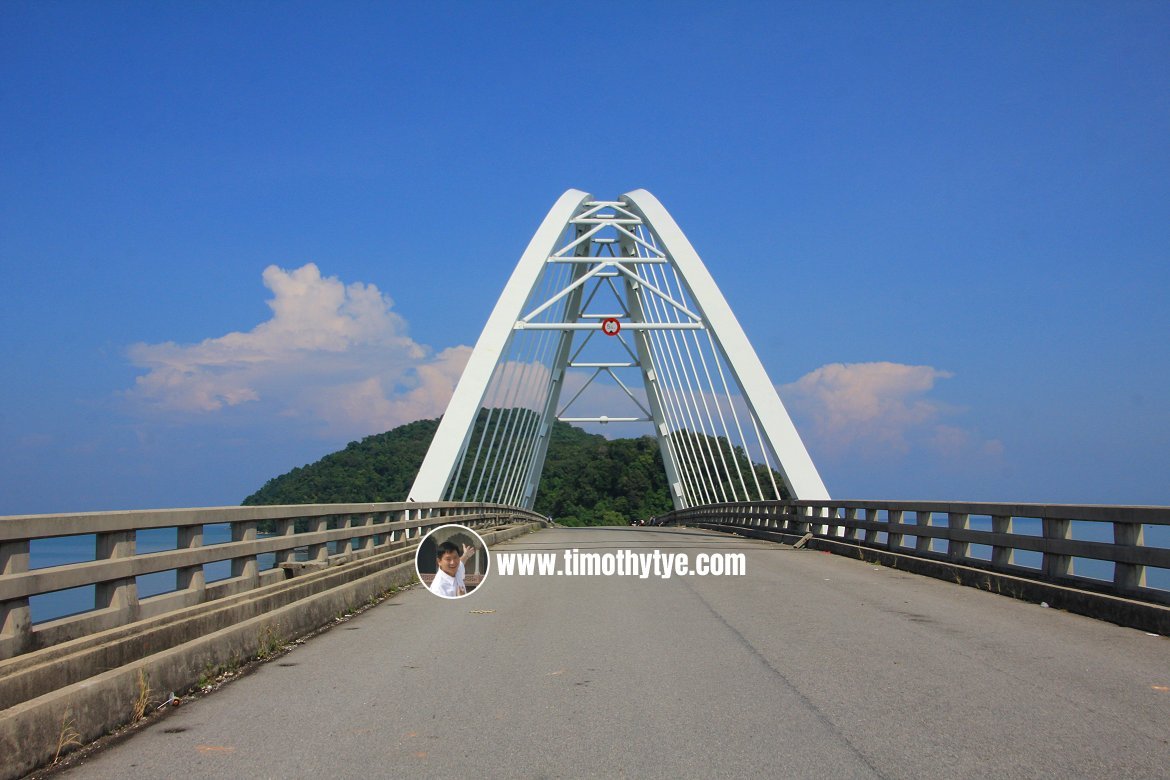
610,316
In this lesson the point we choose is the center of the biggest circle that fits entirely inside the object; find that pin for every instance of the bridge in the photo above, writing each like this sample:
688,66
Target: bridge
761,627
811,664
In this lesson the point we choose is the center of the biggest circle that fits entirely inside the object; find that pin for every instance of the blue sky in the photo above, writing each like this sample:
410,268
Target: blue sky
945,227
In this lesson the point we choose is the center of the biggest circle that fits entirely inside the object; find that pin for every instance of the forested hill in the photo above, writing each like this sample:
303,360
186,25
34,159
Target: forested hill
377,468
587,480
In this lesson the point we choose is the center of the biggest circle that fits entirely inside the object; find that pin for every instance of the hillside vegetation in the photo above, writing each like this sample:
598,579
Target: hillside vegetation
587,479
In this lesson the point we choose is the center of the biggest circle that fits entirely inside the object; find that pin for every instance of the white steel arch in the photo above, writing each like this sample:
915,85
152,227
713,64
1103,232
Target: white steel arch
611,305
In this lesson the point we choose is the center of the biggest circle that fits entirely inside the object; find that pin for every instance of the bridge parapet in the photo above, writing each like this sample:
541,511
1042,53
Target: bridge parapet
323,535
82,674
1118,555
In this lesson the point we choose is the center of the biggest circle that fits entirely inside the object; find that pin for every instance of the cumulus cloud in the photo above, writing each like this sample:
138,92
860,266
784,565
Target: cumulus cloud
368,404
879,409
332,354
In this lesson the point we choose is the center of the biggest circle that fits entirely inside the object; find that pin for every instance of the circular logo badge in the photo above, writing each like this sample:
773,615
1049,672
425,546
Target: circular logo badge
610,326
452,561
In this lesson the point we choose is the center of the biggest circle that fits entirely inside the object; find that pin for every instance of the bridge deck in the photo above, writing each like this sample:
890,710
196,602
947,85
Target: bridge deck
810,666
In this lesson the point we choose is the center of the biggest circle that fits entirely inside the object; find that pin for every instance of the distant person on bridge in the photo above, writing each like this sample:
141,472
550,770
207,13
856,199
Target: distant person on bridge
448,581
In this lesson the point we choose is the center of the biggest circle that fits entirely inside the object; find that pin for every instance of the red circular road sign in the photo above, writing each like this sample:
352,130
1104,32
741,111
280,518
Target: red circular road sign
610,326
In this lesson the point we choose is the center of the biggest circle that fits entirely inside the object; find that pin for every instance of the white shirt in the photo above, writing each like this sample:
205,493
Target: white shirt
447,586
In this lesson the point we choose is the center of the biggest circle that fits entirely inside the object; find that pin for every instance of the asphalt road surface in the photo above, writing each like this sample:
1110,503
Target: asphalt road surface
810,666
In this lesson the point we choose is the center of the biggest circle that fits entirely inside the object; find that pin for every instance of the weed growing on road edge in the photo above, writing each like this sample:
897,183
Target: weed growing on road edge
142,697
67,736
270,642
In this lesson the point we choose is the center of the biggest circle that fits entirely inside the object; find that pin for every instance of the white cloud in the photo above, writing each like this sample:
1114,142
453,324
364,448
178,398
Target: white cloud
332,354
879,409
367,405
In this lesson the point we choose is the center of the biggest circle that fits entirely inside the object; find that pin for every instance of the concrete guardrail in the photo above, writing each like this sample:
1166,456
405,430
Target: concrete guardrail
71,680
1094,560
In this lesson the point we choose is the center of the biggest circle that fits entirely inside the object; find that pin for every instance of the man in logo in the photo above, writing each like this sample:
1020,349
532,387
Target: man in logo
448,581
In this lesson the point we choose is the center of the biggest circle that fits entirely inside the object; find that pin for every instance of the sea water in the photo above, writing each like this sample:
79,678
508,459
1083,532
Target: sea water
61,550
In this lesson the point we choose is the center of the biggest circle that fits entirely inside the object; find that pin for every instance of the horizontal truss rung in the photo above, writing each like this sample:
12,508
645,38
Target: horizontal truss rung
602,365
609,260
521,325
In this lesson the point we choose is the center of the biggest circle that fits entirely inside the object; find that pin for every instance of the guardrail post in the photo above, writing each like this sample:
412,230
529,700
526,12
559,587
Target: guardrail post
191,577
122,594
345,547
245,566
15,617
922,543
871,533
285,527
957,521
318,552
1056,565
1002,557
894,538
832,521
389,537
367,542
1128,576
852,532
